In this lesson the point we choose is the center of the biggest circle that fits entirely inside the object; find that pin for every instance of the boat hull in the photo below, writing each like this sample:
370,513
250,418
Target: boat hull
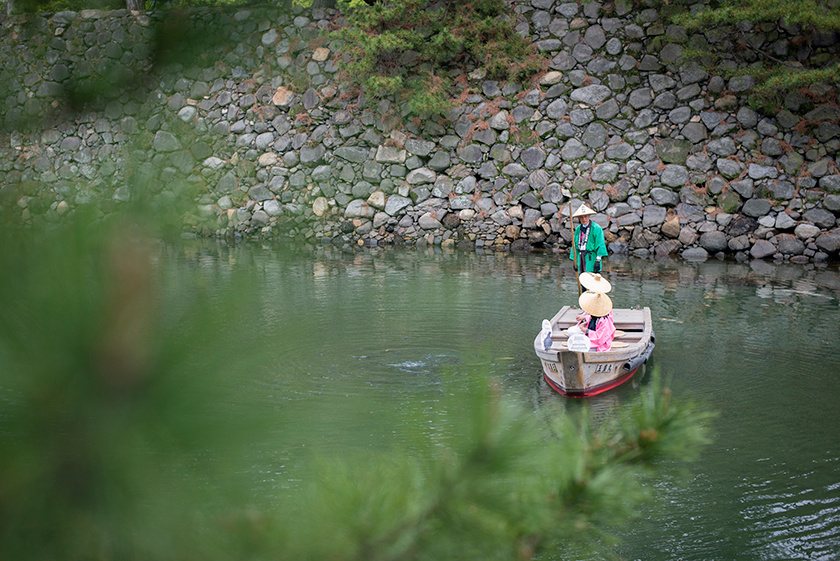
591,390
584,374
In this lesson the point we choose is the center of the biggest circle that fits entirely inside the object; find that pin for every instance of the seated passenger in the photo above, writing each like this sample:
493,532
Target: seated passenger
597,320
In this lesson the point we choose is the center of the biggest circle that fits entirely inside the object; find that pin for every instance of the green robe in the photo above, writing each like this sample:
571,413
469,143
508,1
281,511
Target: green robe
595,247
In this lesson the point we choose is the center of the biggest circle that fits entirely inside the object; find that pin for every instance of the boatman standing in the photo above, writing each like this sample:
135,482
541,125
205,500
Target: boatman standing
589,242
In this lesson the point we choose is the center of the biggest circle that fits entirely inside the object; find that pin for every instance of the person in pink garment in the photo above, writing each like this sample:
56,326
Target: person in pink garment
596,321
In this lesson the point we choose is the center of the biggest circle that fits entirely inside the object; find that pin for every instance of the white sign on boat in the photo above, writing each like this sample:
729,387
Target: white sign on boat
579,343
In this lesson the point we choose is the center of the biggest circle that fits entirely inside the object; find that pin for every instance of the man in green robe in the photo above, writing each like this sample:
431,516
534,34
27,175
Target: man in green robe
588,242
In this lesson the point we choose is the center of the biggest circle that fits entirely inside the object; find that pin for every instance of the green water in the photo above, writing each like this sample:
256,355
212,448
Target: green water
757,342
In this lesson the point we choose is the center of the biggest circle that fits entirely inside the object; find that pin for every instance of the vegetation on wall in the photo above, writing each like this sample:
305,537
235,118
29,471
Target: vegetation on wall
417,49
732,26
38,6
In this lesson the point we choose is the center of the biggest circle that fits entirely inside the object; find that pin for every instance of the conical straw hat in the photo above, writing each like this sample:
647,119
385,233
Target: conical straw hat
595,282
595,304
583,210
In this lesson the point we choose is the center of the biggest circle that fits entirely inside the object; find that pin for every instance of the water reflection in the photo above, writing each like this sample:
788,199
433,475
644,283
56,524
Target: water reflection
793,513
757,341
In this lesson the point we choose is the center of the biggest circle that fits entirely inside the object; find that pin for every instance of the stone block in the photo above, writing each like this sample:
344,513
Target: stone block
756,207
714,242
762,249
820,217
653,216
671,227
664,197
672,151
789,244
829,241
695,254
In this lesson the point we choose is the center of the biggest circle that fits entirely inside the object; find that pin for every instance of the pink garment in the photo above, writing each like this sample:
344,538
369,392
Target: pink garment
603,334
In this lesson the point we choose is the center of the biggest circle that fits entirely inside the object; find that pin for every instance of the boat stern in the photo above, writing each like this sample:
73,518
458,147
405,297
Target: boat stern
563,370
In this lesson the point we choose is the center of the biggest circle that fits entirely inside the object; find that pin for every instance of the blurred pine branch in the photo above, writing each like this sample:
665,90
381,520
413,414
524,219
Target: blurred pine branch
126,433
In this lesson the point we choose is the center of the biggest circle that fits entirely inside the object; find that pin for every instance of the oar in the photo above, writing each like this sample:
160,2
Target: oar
574,246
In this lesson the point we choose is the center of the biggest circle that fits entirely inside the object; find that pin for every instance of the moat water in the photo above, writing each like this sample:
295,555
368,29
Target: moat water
757,342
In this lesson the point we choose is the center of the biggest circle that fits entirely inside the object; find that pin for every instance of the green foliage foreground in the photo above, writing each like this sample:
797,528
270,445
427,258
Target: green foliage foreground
128,431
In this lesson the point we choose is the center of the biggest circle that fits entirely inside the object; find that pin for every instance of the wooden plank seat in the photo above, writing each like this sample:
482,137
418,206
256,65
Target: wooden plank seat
620,334
615,344
629,324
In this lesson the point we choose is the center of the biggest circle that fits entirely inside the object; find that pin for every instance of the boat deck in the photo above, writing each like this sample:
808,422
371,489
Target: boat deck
632,326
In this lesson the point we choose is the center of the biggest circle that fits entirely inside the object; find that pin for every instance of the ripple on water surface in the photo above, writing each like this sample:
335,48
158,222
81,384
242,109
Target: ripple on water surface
794,513
367,348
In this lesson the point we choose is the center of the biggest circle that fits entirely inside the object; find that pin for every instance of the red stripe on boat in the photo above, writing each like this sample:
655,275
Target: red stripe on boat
594,390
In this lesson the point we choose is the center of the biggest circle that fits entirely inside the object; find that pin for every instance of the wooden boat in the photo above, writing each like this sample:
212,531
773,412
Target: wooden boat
582,374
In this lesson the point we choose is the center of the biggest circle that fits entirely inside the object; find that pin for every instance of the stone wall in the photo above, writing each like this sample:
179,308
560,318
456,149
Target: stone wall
254,130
